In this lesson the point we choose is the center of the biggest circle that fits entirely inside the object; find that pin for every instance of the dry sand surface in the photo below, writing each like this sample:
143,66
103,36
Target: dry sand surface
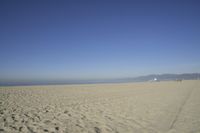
159,107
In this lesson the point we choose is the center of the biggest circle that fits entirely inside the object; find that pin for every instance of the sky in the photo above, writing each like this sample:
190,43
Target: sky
56,40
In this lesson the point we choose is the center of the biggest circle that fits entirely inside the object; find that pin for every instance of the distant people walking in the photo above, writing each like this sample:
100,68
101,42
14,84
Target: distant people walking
179,80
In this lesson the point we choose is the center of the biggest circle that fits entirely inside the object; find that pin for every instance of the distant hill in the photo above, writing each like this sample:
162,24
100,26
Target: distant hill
187,76
159,77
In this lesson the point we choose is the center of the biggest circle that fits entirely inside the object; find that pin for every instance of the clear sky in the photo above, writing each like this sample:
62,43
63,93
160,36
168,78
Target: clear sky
47,39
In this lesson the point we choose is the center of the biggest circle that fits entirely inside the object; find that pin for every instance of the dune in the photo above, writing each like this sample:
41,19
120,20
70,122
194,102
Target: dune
146,107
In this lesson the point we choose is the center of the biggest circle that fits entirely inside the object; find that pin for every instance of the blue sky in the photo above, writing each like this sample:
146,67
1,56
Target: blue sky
98,39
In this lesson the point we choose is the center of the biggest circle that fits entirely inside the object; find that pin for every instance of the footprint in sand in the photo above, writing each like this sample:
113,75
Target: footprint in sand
97,130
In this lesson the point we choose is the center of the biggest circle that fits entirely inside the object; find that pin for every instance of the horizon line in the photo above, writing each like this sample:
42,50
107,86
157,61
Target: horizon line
92,81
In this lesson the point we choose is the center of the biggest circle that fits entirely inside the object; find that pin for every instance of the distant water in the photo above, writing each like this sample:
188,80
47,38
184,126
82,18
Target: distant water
52,83
160,77
40,83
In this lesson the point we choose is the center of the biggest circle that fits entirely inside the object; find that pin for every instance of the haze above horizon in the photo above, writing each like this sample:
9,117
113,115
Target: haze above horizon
98,39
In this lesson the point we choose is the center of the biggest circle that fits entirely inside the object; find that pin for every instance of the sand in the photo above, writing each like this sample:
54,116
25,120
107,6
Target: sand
157,107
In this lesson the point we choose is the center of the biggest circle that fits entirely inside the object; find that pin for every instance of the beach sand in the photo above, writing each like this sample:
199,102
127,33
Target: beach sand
147,107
